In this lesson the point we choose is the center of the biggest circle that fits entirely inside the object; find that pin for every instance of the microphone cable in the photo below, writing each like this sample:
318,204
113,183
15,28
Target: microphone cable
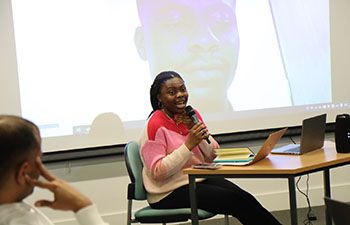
310,216
290,137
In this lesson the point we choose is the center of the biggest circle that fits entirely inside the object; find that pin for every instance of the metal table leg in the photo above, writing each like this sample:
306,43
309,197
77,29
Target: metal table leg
327,193
292,201
193,202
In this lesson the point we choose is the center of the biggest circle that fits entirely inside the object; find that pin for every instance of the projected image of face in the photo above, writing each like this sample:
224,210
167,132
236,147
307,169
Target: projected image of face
198,39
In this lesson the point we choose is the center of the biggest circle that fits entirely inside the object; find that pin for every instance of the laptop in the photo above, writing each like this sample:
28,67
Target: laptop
338,210
263,152
312,137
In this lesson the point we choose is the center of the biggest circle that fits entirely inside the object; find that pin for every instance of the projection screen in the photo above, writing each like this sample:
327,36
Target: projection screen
82,69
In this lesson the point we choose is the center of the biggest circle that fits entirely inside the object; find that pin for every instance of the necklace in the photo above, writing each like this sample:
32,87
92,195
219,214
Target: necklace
167,115
177,124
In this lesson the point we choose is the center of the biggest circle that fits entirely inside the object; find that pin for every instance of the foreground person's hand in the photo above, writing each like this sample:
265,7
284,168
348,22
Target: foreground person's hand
65,196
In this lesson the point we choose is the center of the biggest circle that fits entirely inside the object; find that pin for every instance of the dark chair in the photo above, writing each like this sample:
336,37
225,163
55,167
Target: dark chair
339,211
136,191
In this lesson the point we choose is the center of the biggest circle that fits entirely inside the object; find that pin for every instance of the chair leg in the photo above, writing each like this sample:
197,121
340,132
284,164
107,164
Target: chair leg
226,220
129,213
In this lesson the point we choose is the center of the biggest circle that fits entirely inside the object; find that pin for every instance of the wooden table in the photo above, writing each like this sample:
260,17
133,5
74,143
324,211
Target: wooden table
277,166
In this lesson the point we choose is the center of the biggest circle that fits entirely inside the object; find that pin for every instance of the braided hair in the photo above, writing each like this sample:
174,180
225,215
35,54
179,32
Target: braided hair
157,85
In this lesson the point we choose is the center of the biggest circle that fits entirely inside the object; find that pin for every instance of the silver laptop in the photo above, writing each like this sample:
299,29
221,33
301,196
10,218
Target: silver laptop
312,137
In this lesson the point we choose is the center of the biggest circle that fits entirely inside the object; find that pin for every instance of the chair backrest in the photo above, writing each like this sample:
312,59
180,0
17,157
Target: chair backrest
339,211
134,165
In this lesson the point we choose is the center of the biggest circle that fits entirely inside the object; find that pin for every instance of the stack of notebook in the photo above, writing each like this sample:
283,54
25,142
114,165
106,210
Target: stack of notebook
226,155
244,156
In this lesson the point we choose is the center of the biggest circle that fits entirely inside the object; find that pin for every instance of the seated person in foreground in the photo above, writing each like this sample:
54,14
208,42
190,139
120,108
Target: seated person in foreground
172,142
20,168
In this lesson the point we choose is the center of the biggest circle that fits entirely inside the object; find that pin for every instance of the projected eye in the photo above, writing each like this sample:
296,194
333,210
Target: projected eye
222,17
174,20
171,17
222,20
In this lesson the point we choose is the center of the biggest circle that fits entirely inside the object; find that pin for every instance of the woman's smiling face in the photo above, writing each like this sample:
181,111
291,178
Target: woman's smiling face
173,96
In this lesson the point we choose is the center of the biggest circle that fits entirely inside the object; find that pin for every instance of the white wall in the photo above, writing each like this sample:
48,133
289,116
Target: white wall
340,44
8,66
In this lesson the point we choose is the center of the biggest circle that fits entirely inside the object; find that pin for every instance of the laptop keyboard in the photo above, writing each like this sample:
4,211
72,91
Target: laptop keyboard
293,149
288,149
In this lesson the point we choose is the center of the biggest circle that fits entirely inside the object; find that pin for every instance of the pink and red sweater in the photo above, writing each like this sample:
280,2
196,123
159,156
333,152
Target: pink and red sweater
165,155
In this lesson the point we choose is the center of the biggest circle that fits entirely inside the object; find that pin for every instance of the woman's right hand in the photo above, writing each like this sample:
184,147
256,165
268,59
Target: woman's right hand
197,133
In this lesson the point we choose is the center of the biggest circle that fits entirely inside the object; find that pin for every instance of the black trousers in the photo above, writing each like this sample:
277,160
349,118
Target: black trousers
220,196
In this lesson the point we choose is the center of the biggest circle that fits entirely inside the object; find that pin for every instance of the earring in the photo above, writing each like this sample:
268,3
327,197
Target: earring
160,105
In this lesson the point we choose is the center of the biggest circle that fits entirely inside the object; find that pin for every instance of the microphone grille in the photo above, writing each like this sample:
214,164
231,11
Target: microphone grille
189,110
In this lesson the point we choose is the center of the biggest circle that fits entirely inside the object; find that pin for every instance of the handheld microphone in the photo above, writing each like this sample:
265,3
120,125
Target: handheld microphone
190,111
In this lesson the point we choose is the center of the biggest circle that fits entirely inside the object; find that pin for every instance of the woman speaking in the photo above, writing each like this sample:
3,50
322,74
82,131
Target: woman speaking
171,142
